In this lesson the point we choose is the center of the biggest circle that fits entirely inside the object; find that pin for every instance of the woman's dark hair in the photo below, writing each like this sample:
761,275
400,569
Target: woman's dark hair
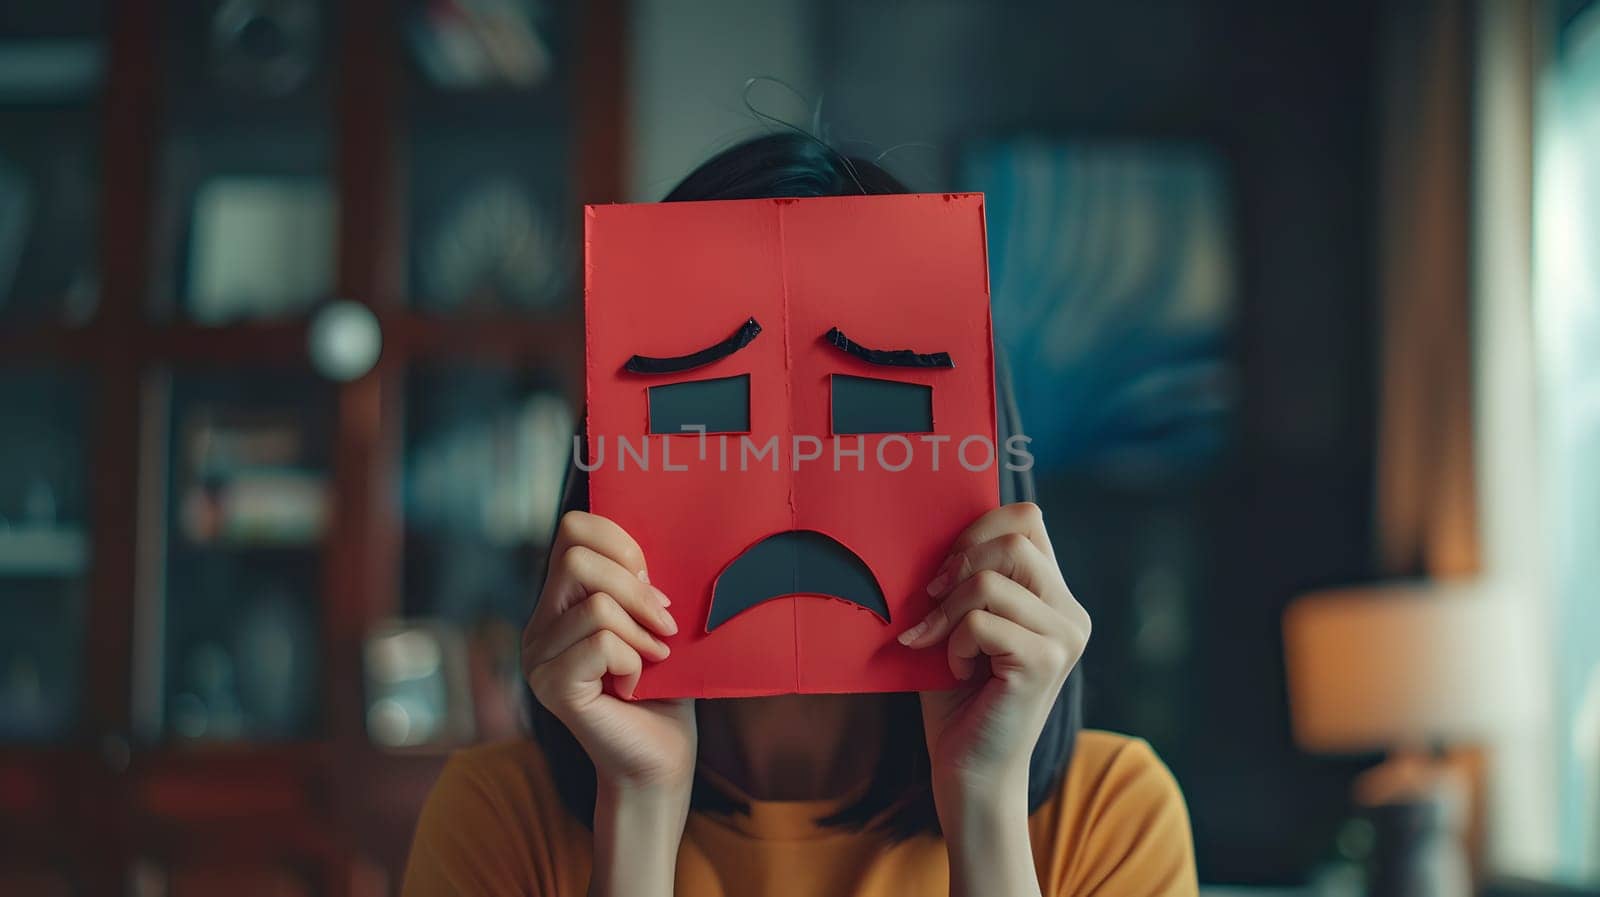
899,798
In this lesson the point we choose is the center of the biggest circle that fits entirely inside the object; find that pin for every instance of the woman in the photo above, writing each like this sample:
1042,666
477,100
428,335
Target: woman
986,791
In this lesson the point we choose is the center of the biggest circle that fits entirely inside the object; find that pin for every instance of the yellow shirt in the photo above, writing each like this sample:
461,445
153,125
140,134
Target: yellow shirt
494,825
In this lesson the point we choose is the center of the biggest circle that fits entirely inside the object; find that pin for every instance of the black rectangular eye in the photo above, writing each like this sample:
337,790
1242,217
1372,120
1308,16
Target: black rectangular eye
721,405
869,405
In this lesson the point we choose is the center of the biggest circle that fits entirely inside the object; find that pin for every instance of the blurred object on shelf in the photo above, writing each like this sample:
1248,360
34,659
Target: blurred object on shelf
40,657
345,340
254,679
209,705
465,44
274,643
50,71
29,708
493,247
42,550
44,554
47,219
497,475
265,47
1114,298
418,685
260,247
42,494
247,479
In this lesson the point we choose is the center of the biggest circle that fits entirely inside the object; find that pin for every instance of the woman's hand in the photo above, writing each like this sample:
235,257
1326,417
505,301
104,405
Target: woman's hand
599,617
1012,629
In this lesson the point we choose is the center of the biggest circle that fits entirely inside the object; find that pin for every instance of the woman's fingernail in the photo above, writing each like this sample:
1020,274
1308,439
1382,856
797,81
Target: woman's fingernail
669,624
644,575
662,597
662,645
912,634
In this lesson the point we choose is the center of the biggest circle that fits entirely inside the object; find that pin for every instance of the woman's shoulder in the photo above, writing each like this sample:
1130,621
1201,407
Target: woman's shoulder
1116,803
491,809
1096,752
517,763
508,782
1115,778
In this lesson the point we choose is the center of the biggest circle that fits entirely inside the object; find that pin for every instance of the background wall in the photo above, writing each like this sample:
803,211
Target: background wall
689,63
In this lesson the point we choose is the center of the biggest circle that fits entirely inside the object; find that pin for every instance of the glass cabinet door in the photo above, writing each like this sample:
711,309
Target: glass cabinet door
44,554
52,73
246,209
486,457
247,506
485,460
492,225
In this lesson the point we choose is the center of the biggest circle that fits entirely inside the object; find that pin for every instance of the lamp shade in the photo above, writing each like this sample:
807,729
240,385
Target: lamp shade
1407,665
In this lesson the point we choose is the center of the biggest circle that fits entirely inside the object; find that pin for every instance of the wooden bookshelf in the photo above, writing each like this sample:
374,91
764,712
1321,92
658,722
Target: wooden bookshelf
116,808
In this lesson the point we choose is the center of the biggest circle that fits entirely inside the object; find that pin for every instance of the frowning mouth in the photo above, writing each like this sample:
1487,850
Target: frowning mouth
795,562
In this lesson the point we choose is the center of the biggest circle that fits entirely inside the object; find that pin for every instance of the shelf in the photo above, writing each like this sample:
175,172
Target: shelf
32,775
38,341
229,784
237,547
502,337
226,757
555,335
53,552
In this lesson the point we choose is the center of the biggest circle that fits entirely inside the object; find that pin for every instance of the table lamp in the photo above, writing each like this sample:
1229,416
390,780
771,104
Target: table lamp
1409,669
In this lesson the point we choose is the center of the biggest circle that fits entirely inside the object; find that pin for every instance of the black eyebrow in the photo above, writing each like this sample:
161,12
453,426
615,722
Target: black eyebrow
904,358
645,364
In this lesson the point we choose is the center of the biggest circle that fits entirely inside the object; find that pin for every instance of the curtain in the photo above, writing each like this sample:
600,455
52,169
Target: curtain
1426,499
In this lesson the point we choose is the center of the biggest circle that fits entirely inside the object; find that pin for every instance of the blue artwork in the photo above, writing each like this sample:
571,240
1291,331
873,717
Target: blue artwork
1112,272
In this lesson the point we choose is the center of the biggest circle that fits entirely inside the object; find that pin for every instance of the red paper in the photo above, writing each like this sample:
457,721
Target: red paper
891,272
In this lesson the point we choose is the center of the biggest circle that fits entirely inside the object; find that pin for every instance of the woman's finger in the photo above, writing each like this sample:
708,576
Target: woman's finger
1018,517
580,529
603,535
582,572
577,675
1013,556
1012,650
991,592
598,612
